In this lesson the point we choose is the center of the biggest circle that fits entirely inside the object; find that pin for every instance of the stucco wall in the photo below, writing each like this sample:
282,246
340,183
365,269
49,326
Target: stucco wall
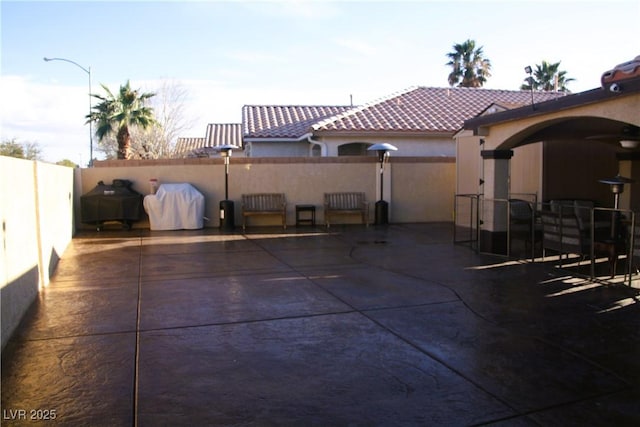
408,145
526,171
418,189
37,226
422,190
280,149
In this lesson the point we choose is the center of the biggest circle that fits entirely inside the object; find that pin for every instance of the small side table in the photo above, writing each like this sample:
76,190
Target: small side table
311,209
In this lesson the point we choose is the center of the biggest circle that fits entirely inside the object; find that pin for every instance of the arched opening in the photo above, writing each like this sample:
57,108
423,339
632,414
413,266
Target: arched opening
565,158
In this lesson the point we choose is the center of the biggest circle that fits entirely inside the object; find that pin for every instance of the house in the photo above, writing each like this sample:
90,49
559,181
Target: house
283,130
420,121
557,149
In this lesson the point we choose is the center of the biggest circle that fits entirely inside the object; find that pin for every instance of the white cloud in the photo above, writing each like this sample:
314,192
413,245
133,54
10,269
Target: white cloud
48,114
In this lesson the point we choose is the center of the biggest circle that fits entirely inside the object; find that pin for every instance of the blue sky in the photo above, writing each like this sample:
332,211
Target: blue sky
226,54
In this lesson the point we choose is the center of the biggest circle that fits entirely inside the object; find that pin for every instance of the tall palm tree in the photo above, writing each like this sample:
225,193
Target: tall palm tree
548,78
470,68
116,114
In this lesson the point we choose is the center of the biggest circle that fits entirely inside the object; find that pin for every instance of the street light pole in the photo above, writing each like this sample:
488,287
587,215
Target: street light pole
88,71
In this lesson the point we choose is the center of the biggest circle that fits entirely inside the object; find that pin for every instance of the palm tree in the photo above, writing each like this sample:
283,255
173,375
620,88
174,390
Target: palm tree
117,114
470,68
547,78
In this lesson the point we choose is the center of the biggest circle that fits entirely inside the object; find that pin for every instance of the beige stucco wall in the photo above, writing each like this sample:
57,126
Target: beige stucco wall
417,189
36,212
423,191
526,172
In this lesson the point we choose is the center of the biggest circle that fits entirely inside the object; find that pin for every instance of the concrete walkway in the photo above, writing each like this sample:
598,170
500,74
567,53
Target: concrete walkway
356,326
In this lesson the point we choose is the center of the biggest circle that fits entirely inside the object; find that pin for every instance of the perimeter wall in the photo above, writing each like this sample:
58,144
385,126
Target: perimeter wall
418,189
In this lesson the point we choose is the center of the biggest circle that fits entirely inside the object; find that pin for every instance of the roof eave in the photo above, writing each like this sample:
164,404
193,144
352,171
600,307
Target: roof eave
272,139
390,133
566,102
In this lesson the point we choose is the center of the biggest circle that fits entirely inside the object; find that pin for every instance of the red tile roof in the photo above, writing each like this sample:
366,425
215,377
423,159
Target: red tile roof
426,109
284,121
184,145
223,134
217,134
417,109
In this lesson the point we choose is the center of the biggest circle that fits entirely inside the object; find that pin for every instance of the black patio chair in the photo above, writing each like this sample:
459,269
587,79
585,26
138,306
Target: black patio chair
524,224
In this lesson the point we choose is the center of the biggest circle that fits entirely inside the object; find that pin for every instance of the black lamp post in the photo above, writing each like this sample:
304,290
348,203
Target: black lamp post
227,214
382,207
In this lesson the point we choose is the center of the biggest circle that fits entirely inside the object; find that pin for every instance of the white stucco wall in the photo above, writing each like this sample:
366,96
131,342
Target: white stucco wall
36,227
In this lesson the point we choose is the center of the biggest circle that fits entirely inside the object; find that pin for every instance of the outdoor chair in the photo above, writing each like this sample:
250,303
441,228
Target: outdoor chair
561,234
524,224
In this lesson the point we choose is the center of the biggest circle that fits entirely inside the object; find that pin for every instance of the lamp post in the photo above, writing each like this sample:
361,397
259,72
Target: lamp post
382,207
227,214
88,71
529,71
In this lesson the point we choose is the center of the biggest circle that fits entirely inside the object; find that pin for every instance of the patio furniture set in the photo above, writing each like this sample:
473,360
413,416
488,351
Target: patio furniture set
575,227
181,206
342,203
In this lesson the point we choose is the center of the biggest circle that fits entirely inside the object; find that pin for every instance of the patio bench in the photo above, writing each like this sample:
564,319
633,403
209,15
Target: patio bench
345,203
264,204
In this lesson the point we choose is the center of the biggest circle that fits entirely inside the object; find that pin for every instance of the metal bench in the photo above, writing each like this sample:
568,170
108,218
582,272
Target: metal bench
345,204
264,204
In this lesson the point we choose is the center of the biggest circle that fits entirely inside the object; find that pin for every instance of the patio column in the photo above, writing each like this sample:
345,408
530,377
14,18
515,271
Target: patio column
496,193
629,166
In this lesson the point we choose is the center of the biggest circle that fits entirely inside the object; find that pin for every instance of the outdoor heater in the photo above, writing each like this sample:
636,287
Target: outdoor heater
227,214
382,207
617,187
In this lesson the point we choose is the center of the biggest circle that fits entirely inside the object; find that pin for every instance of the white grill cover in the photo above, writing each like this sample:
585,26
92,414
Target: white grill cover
175,207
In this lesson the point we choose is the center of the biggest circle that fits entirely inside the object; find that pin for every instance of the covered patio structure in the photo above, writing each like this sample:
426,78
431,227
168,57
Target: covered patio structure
551,151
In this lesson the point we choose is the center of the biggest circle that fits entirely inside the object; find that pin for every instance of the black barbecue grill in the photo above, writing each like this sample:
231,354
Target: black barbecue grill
115,202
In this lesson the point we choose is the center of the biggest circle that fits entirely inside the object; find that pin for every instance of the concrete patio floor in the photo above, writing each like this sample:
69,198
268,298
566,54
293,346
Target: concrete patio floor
351,326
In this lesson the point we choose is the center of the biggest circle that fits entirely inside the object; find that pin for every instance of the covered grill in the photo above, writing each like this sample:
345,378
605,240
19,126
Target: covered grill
115,202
